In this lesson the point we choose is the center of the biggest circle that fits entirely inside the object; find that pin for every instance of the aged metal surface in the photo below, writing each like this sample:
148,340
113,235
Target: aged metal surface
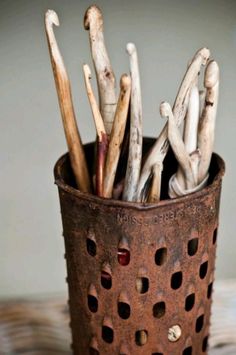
139,276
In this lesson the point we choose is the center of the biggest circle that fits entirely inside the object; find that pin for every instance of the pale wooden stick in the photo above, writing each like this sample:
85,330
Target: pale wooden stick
191,121
207,122
159,150
76,152
155,191
117,135
101,132
93,22
195,159
177,145
135,142
202,96
190,129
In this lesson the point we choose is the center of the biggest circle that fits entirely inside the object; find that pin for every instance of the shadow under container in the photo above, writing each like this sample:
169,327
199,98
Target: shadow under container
140,276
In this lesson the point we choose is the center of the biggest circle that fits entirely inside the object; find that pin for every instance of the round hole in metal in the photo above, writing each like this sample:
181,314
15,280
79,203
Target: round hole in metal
176,280
92,303
141,337
203,270
106,280
93,351
91,247
107,334
199,323
204,344
192,246
142,284
189,302
160,256
214,236
123,256
188,351
159,309
123,310
209,290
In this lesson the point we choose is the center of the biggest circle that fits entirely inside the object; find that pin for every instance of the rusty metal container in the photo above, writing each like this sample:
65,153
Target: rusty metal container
140,276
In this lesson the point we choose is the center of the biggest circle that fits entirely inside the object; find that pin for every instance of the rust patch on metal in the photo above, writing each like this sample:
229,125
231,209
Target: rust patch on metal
171,248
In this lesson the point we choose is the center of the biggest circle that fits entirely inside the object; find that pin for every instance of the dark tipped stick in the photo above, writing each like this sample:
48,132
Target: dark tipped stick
102,141
155,191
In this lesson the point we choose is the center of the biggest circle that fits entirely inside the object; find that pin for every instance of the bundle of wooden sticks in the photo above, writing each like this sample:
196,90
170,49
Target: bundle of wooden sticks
118,123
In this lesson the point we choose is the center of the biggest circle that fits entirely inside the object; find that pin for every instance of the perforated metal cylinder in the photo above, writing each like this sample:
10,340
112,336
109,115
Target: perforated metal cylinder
139,276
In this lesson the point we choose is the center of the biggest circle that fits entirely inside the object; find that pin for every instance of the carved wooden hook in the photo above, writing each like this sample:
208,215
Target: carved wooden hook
93,22
76,152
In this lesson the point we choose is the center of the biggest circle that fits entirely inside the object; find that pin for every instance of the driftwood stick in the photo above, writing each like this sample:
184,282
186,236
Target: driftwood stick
195,159
135,142
159,150
190,129
207,121
177,144
93,22
75,148
202,96
191,121
101,132
117,135
155,191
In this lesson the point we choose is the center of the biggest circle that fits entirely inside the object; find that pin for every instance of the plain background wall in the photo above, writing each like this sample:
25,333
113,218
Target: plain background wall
167,34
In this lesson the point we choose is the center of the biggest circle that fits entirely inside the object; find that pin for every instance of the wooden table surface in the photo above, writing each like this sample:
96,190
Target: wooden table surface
39,326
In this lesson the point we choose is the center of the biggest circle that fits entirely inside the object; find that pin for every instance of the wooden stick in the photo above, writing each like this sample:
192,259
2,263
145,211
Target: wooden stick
177,144
76,152
190,130
101,132
155,191
117,135
159,150
195,160
191,121
135,142
207,121
118,189
202,96
93,22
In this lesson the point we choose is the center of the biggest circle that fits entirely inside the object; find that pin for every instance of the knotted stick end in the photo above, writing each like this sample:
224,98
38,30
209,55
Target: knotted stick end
130,47
51,18
211,74
165,109
93,13
125,82
205,53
